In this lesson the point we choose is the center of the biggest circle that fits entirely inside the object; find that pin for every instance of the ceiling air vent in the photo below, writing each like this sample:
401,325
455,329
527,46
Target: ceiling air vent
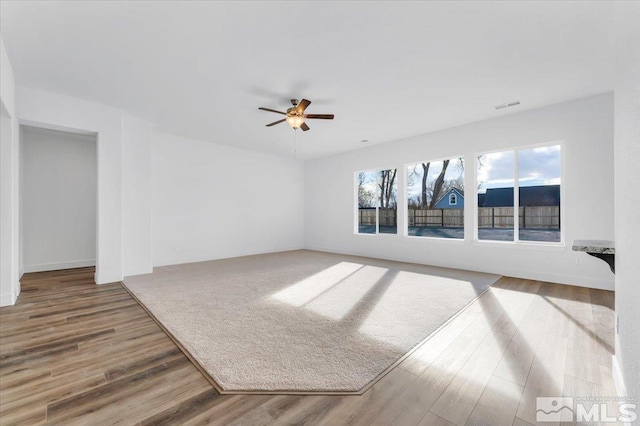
508,105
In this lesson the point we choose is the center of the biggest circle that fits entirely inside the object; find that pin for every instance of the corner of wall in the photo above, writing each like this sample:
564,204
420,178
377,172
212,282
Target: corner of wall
9,169
618,380
7,300
626,372
137,140
102,278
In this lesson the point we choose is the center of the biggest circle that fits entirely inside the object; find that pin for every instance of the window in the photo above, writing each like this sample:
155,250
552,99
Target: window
495,196
435,199
377,202
519,195
539,173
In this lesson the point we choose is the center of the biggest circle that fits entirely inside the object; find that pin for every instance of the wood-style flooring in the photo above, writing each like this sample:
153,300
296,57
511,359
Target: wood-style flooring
72,352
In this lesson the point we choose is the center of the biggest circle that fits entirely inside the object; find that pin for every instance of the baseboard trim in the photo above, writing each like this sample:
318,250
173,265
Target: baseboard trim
107,278
59,265
231,255
576,281
7,300
142,271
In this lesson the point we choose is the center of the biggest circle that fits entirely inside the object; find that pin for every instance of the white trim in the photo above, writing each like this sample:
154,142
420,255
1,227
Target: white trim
523,245
402,208
405,197
56,266
48,126
356,214
380,235
37,109
444,239
516,198
516,195
106,279
7,299
577,281
215,256
356,206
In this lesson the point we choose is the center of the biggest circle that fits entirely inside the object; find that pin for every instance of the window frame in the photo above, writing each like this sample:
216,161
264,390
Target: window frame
356,214
405,230
516,197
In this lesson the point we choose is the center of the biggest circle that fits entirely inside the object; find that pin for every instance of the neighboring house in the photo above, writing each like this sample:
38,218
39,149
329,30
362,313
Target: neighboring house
452,199
543,195
481,199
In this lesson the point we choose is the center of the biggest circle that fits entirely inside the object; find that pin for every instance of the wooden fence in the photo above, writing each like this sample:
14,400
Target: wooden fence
445,218
388,217
540,217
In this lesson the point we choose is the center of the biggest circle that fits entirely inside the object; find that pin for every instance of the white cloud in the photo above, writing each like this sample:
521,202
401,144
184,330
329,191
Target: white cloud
536,166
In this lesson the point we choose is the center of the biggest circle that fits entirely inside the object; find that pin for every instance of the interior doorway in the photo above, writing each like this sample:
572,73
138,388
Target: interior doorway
58,199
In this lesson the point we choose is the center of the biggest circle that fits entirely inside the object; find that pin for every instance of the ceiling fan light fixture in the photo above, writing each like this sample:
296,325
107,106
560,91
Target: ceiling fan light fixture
296,116
295,121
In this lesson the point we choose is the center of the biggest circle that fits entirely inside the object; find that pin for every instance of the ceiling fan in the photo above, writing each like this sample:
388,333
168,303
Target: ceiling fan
295,115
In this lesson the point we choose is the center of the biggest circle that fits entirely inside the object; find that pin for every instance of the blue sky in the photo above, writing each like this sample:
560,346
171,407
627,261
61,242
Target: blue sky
536,166
454,170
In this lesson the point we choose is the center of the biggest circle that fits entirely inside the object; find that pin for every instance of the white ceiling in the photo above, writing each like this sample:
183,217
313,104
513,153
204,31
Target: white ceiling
387,70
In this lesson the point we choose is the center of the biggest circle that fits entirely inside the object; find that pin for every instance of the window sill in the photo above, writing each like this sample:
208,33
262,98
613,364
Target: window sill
376,235
523,245
520,245
448,240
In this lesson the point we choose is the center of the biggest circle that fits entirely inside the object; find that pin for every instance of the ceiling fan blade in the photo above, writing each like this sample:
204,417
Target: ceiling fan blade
323,116
304,127
276,122
273,110
302,106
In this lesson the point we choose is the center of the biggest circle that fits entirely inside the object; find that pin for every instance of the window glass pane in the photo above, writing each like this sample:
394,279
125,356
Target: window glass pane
388,206
367,201
435,199
495,196
539,182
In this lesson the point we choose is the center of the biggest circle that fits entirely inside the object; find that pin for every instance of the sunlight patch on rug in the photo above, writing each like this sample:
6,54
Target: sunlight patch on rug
302,321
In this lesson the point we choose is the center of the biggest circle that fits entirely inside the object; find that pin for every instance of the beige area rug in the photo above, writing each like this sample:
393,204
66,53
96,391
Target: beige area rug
302,321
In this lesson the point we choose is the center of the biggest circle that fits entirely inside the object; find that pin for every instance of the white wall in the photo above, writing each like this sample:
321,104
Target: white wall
9,184
189,209
627,179
137,138
213,201
50,110
59,199
7,81
586,128
124,180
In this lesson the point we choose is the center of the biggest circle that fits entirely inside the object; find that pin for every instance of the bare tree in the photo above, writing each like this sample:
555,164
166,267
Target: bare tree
366,197
433,190
437,185
457,183
425,174
386,184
